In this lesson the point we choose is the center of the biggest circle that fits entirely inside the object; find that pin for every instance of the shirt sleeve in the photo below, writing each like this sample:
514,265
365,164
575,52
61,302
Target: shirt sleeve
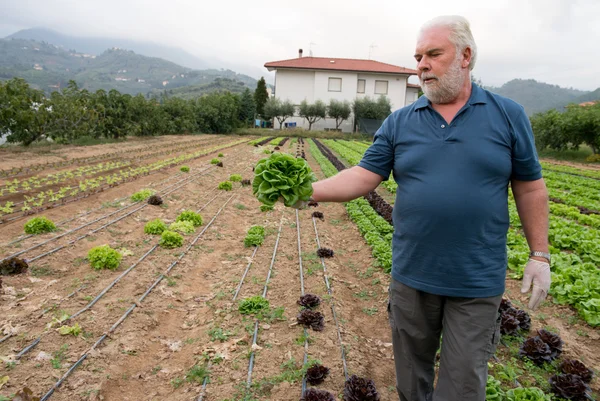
525,163
379,158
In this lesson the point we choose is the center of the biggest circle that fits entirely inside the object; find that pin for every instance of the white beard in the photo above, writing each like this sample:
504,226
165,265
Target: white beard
444,89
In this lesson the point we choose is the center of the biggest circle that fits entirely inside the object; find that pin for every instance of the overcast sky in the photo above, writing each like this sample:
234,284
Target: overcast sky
553,41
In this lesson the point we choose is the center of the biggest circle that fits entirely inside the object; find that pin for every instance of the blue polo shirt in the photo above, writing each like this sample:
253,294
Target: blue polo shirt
451,210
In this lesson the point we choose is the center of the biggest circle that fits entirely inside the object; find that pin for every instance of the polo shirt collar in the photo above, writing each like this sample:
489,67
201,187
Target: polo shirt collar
477,97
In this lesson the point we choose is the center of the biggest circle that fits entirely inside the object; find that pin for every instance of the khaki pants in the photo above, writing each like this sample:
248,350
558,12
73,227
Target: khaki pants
470,329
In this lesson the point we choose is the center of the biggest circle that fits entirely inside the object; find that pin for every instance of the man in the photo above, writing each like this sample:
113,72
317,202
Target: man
453,153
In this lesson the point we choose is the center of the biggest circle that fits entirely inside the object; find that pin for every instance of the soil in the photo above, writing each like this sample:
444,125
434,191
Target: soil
191,316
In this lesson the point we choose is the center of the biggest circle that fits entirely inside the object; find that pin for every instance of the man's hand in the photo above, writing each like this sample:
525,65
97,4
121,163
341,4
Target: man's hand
538,273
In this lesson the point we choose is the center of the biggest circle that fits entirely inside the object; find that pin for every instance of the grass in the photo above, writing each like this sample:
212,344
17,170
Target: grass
578,156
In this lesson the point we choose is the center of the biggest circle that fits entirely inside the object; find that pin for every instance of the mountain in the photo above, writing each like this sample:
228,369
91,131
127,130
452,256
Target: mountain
97,46
48,67
589,97
537,96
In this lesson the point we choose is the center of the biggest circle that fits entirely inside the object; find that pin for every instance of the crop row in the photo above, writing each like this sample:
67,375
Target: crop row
15,186
87,160
571,170
353,152
575,277
100,183
374,228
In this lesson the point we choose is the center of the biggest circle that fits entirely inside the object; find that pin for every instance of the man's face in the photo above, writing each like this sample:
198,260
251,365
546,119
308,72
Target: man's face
440,71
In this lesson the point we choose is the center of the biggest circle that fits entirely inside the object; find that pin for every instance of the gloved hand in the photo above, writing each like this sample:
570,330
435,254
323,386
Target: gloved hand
539,273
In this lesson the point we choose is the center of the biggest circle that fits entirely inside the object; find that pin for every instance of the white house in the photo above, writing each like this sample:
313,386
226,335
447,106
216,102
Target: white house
321,78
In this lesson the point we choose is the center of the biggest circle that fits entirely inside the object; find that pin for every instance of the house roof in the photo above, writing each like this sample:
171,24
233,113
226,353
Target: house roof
589,103
339,64
413,86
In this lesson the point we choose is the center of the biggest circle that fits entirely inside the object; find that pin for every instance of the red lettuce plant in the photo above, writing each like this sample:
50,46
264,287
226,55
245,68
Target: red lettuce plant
325,253
316,374
309,301
313,394
569,386
576,367
553,341
314,320
360,389
536,349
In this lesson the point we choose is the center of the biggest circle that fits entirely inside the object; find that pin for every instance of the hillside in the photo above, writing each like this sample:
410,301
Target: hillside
47,67
538,96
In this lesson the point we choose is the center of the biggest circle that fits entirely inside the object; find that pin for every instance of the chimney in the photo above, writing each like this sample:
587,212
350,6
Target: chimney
300,53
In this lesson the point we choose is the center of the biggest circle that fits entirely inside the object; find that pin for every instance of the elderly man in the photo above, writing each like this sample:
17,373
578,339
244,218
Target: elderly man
453,153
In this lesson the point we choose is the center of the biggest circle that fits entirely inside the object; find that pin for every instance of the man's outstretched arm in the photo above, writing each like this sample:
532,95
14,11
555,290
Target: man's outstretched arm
346,185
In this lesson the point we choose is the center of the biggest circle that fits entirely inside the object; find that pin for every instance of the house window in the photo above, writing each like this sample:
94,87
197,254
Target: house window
335,84
361,86
381,87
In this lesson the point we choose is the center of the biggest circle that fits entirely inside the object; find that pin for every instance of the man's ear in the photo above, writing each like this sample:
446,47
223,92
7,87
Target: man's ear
466,57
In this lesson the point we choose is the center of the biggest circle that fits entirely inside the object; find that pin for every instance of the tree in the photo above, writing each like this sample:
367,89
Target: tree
247,108
312,112
577,125
218,112
260,96
19,105
338,110
274,108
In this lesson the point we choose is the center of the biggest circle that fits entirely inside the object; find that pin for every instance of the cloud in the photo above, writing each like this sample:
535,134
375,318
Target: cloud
547,40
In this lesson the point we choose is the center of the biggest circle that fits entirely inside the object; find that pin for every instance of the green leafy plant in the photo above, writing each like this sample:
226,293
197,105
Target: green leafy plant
141,195
215,161
267,152
74,330
253,305
104,257
220,155
191,216
255,236
235,178
183,227
184,169
526,394
493,390
282,175
226,185
266,208
155,227
196,374
39,225
170,239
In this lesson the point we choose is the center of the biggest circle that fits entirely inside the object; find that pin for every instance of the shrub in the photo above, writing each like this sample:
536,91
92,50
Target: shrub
155,227
141,195
39,225
170,239
191,216
185,169
215,161
104,257
226,185
220,155
183,227
235,178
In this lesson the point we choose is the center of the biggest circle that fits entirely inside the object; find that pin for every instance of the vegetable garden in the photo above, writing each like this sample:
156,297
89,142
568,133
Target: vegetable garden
181,285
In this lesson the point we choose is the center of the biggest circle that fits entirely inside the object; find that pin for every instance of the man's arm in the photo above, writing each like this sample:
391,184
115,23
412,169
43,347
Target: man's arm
531,198
346,185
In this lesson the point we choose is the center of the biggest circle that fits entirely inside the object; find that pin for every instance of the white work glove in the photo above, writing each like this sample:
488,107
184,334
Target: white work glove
539,273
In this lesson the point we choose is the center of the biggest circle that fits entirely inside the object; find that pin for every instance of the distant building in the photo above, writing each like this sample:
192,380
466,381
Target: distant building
38,67
324,78
165,83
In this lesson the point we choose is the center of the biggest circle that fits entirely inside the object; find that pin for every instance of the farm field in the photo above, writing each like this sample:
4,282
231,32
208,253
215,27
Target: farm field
168,323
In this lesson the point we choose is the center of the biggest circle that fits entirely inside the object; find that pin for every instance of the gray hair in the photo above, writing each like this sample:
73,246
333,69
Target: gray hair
460,34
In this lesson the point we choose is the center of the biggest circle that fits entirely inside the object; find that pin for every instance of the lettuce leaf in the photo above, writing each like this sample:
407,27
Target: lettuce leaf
282,176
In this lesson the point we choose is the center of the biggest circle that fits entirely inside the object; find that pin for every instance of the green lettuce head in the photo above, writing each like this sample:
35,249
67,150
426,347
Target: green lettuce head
282,175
